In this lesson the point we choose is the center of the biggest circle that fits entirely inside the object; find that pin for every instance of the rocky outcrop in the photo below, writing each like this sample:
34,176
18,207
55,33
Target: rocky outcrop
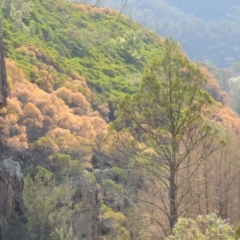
11,184
3,75
86,223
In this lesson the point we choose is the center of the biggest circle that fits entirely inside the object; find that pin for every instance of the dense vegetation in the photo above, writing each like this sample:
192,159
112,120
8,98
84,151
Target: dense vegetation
166,121
69,65
207,31
80,39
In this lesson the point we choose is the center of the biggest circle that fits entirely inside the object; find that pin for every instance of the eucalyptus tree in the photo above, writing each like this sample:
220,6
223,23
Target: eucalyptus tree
164,131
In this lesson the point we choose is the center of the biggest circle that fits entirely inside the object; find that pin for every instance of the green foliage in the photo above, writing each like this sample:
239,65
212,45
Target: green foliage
75,38
59,44
49,207
132,43
19,13
90,177
46,144
114,221
16,229
61,160
113,188
237,232
119,174
161,128
193,23
203,228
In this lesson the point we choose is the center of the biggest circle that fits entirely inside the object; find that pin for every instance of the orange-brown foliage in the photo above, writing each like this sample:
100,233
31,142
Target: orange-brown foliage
77,101
27,50
77,147
14,74
33,51
93,9
227,118
14,106
31,111
99,126
213,87
12,134
104,111
64,115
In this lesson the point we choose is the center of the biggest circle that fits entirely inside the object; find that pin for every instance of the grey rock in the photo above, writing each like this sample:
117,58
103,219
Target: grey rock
11,185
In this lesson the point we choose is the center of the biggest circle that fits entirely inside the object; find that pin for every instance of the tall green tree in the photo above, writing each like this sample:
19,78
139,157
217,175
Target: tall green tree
163,130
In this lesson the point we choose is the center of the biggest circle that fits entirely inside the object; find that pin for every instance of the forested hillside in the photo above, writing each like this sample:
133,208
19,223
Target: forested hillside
110,132
207,30
207,10
67,66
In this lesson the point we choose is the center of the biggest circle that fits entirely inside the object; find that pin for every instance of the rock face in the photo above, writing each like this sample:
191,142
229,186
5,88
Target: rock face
11,184
86,223
3,75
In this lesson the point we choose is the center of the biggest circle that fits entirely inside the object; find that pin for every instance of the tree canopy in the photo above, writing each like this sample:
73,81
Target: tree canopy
163,129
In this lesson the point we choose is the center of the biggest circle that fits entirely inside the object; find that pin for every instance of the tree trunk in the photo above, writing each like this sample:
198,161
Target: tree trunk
172,188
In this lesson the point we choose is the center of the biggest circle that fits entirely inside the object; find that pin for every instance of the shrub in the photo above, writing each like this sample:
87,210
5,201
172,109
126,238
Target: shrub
237,232
203,228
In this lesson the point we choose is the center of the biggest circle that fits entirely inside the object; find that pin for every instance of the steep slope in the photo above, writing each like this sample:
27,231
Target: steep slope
68,65
208,31
80,39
